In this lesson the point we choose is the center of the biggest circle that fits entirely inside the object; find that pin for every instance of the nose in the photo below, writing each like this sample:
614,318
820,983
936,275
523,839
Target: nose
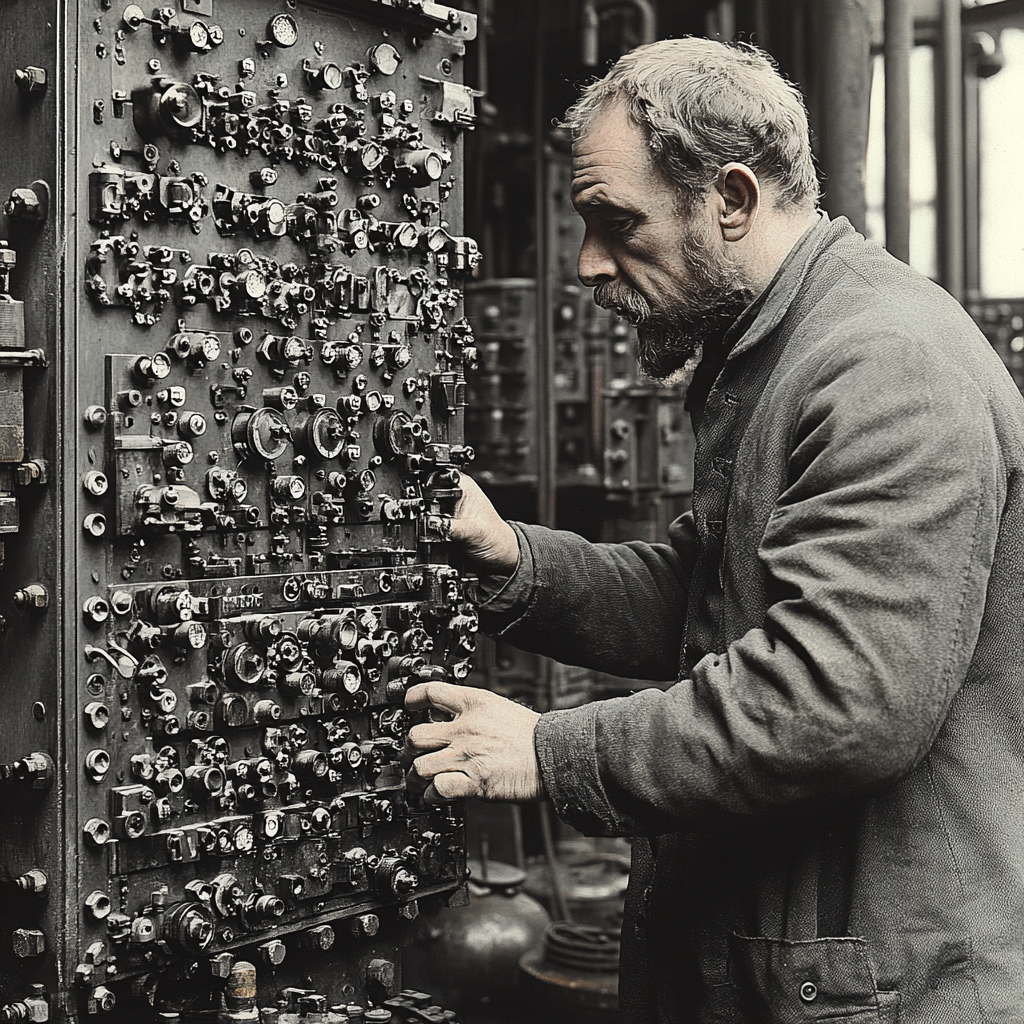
596,265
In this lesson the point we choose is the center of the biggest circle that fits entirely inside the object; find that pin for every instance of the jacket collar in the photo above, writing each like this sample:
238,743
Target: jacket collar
765,313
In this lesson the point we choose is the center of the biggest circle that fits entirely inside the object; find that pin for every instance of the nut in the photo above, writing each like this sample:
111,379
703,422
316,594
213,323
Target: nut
28,942
97,904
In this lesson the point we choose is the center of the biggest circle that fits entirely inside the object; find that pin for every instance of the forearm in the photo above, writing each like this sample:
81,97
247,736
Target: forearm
876,560
618,608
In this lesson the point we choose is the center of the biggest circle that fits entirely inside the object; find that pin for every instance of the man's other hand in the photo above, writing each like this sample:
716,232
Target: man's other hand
486,750
482,534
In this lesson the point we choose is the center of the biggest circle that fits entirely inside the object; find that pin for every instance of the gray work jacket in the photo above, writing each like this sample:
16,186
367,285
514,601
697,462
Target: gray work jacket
829,802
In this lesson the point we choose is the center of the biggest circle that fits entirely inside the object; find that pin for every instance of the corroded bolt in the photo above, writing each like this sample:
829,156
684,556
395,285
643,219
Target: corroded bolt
33,881
28,942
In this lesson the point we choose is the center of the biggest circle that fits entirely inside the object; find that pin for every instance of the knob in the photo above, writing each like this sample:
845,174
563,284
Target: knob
329,76
33,596
34,771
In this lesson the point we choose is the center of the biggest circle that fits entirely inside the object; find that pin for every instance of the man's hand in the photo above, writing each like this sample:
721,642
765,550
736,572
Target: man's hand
483,535
485,751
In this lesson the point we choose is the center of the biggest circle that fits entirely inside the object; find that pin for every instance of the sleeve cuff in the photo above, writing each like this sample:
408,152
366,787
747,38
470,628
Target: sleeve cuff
566,753
506,598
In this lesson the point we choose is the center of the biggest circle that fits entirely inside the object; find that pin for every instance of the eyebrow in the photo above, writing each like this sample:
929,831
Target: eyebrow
600,200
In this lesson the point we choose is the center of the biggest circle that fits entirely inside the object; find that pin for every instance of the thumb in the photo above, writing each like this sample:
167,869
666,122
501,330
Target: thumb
445,696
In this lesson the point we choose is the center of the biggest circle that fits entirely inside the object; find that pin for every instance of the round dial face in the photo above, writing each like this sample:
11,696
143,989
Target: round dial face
384,58
326,434
244,838
195,635
351,678
332,76
160,366
254,284
198,35
283,30
210,347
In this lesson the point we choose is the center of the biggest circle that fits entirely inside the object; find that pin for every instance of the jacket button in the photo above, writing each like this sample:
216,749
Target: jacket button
808,991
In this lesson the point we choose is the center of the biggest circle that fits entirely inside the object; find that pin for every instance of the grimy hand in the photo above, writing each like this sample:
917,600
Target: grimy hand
483,535
485,751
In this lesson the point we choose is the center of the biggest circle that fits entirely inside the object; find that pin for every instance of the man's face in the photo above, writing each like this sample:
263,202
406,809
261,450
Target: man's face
665,271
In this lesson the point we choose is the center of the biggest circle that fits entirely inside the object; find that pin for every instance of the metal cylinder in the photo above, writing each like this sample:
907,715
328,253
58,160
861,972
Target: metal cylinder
844,87
951,151
899,39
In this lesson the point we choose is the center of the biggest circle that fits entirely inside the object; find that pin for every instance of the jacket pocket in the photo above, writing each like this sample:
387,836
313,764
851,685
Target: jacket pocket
783,981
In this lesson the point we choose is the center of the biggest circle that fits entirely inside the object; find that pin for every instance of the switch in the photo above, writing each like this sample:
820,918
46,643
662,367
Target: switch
31,80
30,204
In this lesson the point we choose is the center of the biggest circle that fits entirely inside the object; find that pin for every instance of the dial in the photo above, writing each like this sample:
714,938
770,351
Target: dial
210,347
384,58
283,30
252,284
244,838
198,36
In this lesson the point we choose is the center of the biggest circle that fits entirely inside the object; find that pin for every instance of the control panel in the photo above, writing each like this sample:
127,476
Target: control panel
229,452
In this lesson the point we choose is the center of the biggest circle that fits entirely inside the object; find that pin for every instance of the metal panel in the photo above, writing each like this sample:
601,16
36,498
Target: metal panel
251,422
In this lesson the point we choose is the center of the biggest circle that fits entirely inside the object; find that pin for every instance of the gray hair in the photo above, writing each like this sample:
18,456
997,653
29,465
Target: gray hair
702,104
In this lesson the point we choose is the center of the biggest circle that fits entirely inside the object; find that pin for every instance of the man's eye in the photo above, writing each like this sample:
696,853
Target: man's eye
621,228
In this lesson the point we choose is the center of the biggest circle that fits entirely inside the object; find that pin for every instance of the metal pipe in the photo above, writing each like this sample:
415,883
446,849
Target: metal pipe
648,19
951,151
761,24
590,21
844,87
546,483
590,34
972,184
899,38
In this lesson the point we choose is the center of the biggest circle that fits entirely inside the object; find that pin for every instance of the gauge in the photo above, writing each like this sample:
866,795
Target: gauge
192,634
160,366
283,30
384,58
243,839
210,347
406,235
330,76
253,284
198,36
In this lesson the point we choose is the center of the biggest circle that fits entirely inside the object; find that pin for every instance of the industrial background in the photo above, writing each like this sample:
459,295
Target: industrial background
274,273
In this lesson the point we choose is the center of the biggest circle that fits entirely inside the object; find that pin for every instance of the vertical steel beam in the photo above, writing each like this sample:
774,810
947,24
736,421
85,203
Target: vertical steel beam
899,38
546,482
844,91
950,114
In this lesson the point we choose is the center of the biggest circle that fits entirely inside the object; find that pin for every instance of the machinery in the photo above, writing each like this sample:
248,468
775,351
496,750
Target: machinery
231,431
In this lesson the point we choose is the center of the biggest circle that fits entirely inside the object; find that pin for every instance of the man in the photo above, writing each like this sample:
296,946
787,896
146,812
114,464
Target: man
827,804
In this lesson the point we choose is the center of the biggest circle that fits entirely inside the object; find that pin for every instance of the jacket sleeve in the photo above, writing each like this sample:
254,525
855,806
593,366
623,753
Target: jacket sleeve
877,555
617,608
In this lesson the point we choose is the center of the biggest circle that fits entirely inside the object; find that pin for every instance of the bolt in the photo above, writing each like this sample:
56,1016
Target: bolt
366,924
101,1000
97,831
33,596
273,952
96,611
33,881
94,525
98,904
28,942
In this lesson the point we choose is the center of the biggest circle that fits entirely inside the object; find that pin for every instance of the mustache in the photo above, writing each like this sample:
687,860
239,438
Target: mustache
620,297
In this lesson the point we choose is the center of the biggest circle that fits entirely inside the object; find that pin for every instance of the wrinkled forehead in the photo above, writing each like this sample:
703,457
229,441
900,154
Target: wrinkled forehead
613,152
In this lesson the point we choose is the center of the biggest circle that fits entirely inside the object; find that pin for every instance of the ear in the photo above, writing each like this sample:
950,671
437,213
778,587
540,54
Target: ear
740,200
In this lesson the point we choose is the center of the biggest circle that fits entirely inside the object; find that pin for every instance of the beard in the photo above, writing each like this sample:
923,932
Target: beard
672,333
